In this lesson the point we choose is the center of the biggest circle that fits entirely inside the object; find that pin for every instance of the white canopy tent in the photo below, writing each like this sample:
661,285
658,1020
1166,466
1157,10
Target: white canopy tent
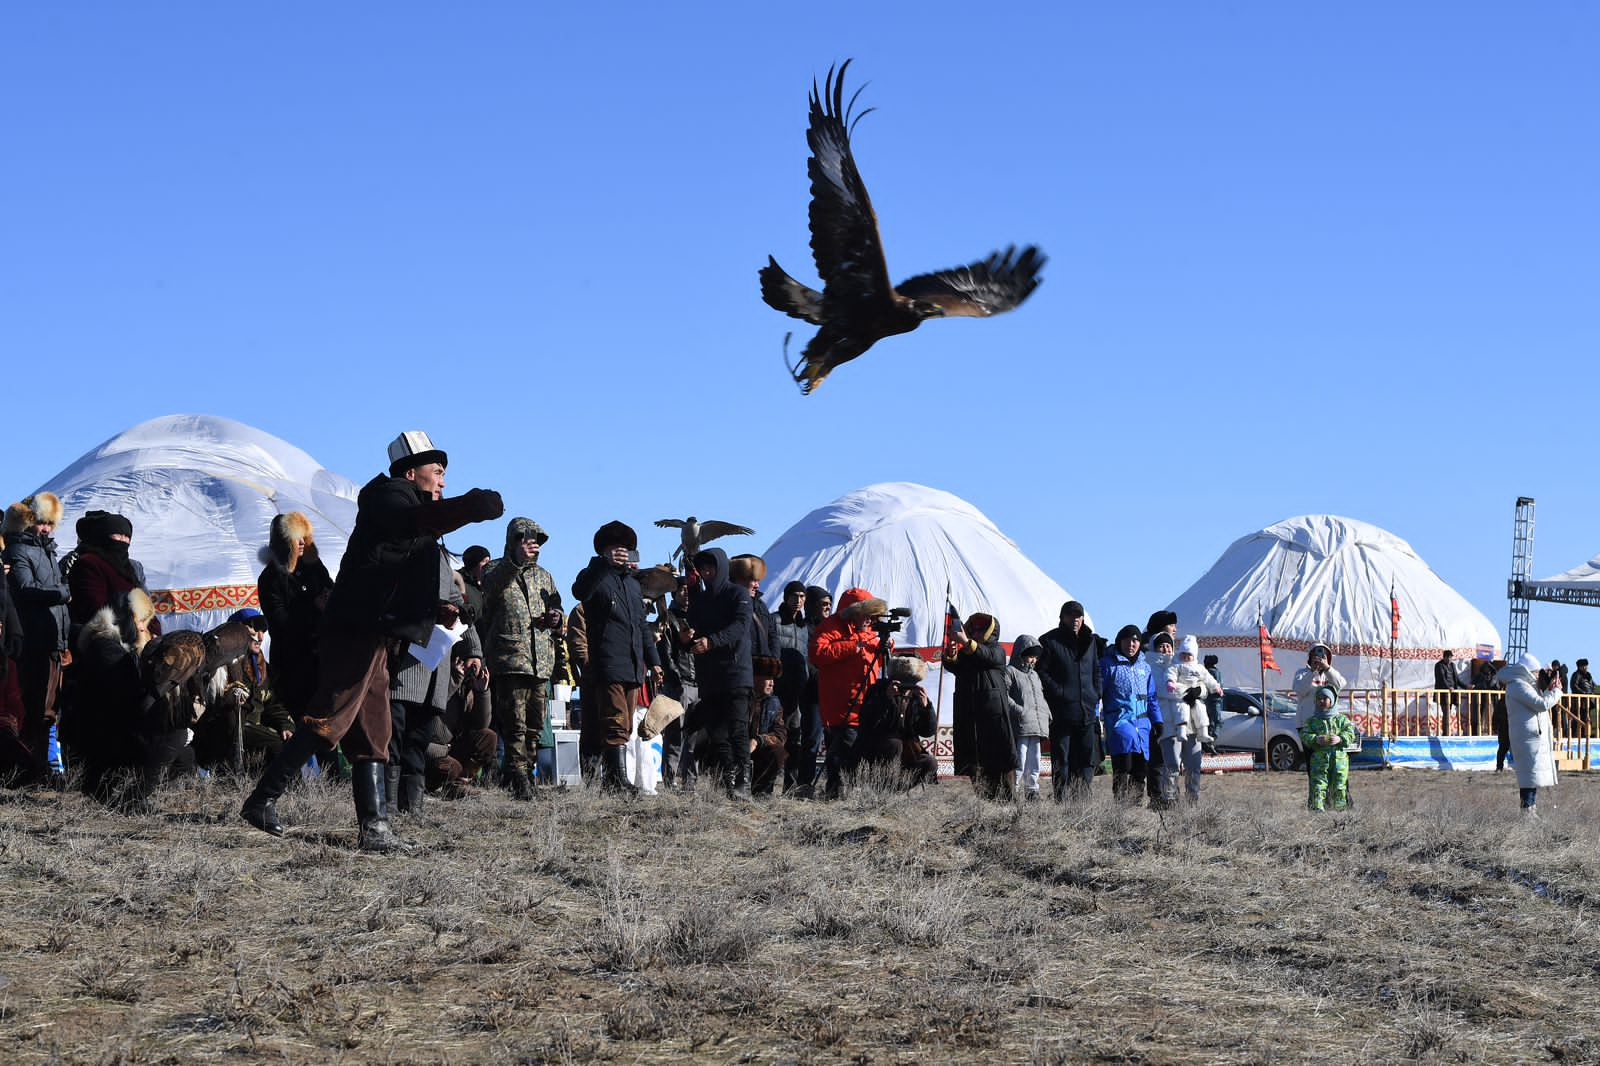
904,543
1325,578
201,492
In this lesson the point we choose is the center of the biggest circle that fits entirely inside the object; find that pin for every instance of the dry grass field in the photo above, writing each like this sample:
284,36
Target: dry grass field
1430,924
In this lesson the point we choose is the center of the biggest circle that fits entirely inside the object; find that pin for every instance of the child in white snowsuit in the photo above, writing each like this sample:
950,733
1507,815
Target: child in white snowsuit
1185,724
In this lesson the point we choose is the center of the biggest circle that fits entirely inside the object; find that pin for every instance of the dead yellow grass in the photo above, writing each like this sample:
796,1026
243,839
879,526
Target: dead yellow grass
1432,923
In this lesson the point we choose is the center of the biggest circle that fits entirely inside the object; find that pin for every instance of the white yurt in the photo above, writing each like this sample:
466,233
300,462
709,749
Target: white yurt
905,543
1328,579
201,492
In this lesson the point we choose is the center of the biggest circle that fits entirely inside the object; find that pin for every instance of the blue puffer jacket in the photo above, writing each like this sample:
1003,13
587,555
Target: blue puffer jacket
1127,703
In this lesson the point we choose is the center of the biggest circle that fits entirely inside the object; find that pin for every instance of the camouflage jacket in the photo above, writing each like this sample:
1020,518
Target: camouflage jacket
514,599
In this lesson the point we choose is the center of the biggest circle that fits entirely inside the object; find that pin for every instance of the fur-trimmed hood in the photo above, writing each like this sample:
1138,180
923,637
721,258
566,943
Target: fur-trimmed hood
857,605
23,515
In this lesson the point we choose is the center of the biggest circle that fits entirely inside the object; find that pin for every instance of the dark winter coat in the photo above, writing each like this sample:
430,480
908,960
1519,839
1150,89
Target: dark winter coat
98,580
389,578
619,647
721,613
981,715
39,593
1069,670
794,641
289,601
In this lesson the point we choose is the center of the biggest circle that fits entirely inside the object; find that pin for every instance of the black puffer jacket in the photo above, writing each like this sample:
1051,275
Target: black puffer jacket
1069,669
621,647
721,613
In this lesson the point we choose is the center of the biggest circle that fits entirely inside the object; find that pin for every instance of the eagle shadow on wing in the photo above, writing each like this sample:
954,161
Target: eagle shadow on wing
857,306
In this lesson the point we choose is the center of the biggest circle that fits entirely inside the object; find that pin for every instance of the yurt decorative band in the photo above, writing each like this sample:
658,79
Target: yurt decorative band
1367,650
209,598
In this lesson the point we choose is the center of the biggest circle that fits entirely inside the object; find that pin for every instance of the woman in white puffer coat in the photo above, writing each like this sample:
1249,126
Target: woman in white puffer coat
1185,725
1528,721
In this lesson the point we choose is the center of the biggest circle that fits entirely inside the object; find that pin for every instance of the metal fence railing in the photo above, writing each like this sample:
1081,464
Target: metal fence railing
1429,712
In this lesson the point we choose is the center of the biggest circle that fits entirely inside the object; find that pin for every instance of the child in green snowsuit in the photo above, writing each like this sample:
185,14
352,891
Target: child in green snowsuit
1325,736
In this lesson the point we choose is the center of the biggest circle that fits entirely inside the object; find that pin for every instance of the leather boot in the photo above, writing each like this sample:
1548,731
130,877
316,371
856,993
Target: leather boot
615,772
521,785
741,777
260,808
412,787
372,812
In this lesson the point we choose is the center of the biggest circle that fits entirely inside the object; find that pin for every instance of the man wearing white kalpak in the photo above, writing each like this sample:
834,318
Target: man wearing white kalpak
1185,725
1530,693
1317,672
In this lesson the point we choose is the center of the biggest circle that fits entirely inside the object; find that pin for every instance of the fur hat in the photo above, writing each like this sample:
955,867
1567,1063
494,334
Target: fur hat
766,666
614,533
981,627
743,569
284,534
411,449
907,668
25,514
1160,620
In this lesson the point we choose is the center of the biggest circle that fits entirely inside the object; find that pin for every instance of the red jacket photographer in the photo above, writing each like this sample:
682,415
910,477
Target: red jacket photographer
844,650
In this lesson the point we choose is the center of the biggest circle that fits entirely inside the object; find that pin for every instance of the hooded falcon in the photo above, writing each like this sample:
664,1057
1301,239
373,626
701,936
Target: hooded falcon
857,306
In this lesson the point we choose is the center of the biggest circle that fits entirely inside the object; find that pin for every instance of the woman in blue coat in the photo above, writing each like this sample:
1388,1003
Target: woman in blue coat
1127,708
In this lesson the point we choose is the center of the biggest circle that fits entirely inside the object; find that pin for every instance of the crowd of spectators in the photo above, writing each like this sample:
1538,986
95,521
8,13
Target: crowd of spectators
411,678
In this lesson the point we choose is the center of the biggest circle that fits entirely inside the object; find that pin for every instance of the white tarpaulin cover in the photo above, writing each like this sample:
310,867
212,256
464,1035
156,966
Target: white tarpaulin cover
201,492
1578,578
902,542
1326,578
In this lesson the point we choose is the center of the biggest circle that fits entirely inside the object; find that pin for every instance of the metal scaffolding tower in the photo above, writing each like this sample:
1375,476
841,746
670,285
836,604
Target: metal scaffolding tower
1518,588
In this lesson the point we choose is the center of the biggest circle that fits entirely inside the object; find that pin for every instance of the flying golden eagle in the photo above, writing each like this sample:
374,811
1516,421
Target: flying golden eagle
857,307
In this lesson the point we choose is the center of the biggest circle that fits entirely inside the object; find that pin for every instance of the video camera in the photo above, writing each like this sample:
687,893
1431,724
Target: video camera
891,623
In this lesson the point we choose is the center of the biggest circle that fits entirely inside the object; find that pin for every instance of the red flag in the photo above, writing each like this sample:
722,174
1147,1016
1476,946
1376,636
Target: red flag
1266,652
1394,615
952,622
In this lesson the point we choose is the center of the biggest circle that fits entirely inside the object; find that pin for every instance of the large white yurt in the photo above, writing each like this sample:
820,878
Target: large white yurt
905,543
1326,578
201,492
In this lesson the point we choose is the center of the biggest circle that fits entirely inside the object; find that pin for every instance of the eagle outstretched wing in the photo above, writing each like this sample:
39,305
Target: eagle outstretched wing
710,531
844,228
984,288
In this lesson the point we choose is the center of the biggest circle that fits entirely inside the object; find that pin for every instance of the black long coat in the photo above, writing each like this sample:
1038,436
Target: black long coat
621,645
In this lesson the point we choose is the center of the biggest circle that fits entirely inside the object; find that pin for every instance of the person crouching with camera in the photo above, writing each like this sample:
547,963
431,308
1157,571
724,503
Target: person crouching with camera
896,719
844,651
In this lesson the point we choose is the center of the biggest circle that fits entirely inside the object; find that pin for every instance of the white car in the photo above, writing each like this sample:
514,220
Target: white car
1240,727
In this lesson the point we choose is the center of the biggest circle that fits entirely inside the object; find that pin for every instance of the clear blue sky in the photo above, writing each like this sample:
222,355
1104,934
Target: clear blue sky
1303,258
